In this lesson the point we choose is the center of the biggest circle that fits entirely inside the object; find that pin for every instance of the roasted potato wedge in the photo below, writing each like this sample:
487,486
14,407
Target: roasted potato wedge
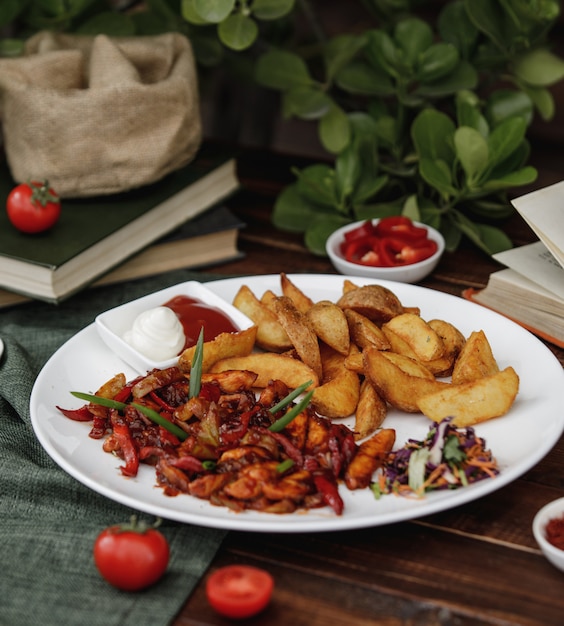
339,391
224,345
474,401
301,301
410,366
369,457
418,335
370,412
364,332
330,325
399,388
475,360
270,366
300,332
270,334
375,302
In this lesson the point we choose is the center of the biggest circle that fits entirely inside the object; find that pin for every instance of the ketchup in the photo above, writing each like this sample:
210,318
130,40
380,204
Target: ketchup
193,314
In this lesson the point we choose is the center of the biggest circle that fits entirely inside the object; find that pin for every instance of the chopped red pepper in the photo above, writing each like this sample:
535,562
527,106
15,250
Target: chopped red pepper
126,444
327,487
392,242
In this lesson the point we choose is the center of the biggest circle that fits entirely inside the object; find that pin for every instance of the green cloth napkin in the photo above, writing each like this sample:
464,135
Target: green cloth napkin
48,520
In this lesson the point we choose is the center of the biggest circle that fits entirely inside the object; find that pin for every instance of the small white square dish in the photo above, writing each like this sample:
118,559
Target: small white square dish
115,325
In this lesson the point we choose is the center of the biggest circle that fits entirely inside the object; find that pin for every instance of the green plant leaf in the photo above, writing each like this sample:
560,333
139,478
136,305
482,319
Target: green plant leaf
213,11
432,133
271,9
456,28
334,130
437,174
468,112
339,51
539,68
282,70
543,101
318,232
317,184
488,17
190,14
505,103
308,103
472,152
414,36
524,176
493,239
238,31
463,77
382,53
505,138
438,61
292,212
358,77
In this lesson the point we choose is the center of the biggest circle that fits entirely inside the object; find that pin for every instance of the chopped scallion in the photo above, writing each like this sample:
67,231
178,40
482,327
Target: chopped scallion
196,366
293,394
281,423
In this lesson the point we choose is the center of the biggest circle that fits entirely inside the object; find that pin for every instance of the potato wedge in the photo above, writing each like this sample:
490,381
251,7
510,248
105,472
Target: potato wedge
224,345
270,366
270,334
370,456
474,401
410,366
475,360
453,341
370,412
300,332
419,336
339,391
355,362
330,325
375,302
364,332
399,388
301,301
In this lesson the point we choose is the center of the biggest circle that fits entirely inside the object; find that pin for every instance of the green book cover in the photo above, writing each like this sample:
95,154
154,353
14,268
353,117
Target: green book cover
85,222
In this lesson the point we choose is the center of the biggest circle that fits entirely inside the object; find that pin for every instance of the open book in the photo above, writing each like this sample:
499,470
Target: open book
531,290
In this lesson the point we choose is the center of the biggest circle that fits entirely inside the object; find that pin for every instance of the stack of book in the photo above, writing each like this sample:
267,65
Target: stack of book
530,290
178,222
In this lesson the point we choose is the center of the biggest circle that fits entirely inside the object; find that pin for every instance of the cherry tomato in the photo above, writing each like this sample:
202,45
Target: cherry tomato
131,556
239,591
33,207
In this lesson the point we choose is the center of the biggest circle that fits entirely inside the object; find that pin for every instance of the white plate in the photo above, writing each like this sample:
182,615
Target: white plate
518,440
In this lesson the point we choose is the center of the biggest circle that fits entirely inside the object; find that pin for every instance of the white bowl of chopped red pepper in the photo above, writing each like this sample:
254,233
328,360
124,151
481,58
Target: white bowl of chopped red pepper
548,530
392,248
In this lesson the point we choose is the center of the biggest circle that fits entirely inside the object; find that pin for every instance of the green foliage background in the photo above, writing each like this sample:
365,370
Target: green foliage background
425,113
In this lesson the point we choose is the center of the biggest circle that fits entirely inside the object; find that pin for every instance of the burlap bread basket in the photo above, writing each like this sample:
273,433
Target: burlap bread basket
99,115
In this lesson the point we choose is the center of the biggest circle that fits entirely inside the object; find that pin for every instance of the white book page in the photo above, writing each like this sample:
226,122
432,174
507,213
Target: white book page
535,262
543,210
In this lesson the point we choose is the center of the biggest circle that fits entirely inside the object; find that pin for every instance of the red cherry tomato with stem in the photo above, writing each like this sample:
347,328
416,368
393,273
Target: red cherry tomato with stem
239,591
131,556
33,207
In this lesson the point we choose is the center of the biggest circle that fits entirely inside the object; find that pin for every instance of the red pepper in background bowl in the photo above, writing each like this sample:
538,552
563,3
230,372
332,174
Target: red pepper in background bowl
393,248
391,241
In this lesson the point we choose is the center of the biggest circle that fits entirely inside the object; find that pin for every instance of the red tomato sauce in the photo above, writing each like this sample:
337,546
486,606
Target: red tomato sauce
193,314
555,532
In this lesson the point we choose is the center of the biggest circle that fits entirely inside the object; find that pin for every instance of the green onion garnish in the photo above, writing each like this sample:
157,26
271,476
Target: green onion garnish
284,465
209,464
196,367
293,394
147,412
281,423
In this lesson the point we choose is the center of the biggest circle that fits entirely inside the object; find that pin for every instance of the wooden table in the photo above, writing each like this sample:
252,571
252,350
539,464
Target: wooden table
475,564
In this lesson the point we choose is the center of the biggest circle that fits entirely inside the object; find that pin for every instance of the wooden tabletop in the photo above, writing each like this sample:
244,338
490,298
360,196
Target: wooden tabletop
474,564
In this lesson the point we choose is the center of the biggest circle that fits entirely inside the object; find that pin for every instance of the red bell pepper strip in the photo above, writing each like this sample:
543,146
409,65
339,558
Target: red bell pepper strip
327,487
126,444
78,415
401,227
